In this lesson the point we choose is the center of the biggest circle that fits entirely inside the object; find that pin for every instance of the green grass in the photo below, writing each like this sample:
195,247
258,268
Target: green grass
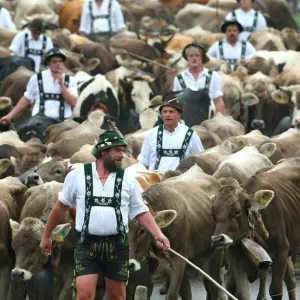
297,19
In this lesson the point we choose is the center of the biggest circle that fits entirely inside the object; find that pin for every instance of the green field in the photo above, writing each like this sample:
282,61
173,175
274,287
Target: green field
297,19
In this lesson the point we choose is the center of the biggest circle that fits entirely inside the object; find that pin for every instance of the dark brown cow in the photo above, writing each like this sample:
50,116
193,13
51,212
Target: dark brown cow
275,192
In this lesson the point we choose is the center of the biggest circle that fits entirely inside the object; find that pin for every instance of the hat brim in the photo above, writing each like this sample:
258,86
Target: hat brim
168,104
205,58
97,147
232,23
47,59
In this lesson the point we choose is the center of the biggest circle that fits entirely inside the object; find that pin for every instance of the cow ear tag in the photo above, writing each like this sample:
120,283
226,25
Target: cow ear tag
160,221
4,165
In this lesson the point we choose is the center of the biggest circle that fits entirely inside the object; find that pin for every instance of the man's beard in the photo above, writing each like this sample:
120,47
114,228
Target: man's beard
111,165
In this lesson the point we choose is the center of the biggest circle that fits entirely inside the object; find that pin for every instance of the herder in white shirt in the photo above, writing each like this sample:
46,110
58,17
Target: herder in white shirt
101,19
231,48
166,145
51,92
5,19
197,77
33,44
105,196
250,19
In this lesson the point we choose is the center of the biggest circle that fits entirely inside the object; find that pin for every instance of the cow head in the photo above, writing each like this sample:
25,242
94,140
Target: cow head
136,91
231,208
26,239
51,169
141,242
289,95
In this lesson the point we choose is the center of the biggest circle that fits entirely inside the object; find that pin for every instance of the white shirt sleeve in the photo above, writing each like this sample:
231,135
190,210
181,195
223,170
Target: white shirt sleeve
195,144
136,205
261,21
85,20
49,44
250,50
8,20
31,89
213,50
68,195
229,16
73,86
118,16
145,155
216,86
176,85
16,44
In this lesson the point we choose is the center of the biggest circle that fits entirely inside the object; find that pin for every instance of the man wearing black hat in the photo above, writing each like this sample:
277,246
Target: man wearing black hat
166,145
106,196
53,93
250,19
231,48
32,44
197,77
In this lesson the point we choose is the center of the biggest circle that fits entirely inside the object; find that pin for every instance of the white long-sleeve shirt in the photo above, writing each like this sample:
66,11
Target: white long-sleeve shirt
32,93
171,140
6,20
102,219
246,19
101,25
199,83
230,52
18,47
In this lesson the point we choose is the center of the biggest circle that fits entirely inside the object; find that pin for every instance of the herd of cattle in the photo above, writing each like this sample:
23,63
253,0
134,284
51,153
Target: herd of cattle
212,193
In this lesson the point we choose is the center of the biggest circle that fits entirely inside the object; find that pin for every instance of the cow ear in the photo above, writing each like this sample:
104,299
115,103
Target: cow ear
268,149
261,199
250,99
14,227
4,165
60,232
281,97
164,218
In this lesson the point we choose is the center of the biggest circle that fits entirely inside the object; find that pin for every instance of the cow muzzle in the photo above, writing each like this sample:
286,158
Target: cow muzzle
220,241
258,124
33,180
20,274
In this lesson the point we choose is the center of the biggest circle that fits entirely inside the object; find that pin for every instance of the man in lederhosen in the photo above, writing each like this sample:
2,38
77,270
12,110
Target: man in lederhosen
197,77
166,145
101,19
105,196
33,44
231,48
250,19
53,93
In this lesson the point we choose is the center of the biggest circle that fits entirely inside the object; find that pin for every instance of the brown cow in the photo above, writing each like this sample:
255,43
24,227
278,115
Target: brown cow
69,15
276,193
12,201
179,207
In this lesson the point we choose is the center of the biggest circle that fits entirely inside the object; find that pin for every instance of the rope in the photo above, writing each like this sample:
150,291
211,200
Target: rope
216,283
203,273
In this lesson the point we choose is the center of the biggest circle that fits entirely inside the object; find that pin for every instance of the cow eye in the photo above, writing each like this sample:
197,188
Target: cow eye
236,214
142,231
58,172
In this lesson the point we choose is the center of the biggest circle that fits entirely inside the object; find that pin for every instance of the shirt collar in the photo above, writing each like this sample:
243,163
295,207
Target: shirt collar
204,72
176,129
30,37
238,42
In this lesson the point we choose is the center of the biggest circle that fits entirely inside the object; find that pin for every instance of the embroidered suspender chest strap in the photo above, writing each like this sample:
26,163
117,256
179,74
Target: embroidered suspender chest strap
181,81
207,81
51,96
160,152
232,61
249,28
108,17
36,52
91,200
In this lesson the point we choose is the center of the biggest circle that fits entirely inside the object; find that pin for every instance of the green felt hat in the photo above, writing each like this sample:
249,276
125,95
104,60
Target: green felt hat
108,139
